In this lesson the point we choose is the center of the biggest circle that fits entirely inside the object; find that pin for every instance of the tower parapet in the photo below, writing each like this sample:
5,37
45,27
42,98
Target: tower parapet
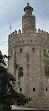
43,32
12,34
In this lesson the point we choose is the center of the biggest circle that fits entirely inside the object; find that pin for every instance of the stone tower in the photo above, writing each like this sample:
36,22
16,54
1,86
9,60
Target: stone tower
26,51
28,20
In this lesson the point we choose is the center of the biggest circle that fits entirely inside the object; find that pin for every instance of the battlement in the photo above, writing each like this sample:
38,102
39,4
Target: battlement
43,32
19,31
12,34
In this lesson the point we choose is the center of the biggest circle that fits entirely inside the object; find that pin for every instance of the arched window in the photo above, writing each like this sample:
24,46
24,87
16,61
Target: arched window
20,72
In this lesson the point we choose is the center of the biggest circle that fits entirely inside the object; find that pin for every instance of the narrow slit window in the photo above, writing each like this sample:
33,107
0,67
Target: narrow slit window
20,50
20,89
33,49
33,89
46,89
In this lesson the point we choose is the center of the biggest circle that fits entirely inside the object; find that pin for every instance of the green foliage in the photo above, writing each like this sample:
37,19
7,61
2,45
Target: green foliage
8,96
45,54
6,89
2,62
46,63
46,67
21,99
48,50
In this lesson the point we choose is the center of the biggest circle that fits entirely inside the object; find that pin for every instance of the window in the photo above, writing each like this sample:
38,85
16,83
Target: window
33,49
33,89
20,50
20,89
20,72
46,89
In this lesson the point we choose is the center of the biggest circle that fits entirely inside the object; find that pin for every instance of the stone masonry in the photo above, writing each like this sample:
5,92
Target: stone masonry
26,61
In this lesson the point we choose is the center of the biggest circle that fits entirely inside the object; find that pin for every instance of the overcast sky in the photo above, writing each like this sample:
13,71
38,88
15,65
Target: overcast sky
11,11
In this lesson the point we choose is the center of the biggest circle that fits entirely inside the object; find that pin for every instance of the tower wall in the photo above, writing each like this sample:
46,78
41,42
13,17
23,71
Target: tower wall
28,24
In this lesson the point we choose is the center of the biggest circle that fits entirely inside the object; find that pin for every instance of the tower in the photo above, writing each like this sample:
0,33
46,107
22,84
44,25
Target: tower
26,62
28,20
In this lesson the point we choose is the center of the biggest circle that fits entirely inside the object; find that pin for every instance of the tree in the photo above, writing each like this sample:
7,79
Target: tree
8,96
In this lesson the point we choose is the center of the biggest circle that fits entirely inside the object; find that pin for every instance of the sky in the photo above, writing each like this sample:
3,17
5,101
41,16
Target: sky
11,12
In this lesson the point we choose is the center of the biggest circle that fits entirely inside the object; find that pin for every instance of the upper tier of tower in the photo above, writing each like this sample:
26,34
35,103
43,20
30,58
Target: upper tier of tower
28,20
28,10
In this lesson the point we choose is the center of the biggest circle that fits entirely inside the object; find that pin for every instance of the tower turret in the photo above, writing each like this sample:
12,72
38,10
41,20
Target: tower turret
28,10
28,20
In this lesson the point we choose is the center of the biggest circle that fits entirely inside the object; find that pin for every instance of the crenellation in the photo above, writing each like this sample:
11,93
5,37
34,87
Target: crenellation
19,31
43,32
15,33
9,37
22,40
12,34
39,31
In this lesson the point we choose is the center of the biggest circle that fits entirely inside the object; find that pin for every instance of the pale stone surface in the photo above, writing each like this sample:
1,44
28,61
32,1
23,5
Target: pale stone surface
33,71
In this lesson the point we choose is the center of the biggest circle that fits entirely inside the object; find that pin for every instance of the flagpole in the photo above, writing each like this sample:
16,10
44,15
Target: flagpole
10,28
